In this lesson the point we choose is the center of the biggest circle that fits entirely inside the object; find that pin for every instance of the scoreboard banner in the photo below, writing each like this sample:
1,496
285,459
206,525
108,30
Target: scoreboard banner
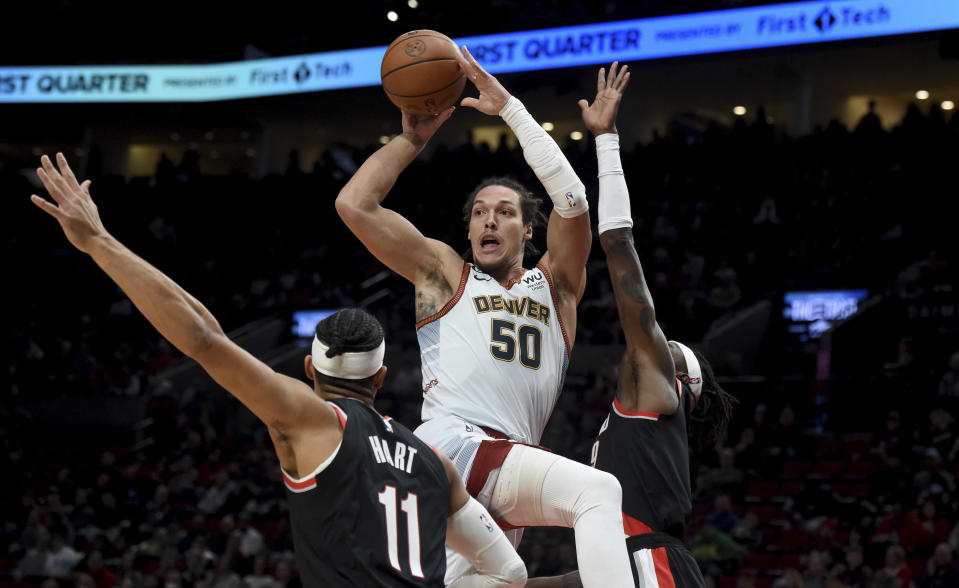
776,25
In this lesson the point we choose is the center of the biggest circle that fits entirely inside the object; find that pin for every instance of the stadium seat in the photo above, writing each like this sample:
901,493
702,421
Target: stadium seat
862,468
792,540
795,469
828,469
764,513
761,491
759,561
790,560
826,447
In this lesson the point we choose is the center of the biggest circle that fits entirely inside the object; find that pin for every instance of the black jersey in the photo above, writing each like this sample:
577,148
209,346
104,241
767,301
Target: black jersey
374,513
649,455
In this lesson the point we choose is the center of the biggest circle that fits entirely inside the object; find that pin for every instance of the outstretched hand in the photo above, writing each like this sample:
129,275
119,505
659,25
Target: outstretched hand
419,129
493,95
600,116
74,208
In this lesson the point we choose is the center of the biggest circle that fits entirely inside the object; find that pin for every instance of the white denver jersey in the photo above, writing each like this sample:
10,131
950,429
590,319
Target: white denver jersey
495,357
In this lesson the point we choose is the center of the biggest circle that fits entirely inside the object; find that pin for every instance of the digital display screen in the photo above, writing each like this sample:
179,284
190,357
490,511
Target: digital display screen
304,321
810,314
776,25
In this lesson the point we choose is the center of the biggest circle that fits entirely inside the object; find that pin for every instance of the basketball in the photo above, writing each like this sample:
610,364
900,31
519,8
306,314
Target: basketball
420,73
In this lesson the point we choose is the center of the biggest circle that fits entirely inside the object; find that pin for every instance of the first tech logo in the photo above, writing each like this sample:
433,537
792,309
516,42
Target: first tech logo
825,19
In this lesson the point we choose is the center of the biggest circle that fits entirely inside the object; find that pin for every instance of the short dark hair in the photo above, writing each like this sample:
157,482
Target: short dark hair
710,418
350,330
531,207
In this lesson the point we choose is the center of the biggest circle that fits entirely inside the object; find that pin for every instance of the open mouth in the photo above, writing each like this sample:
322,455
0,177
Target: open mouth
489,243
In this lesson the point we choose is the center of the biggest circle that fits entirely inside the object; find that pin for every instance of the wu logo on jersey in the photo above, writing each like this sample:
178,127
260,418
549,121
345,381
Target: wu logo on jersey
532,279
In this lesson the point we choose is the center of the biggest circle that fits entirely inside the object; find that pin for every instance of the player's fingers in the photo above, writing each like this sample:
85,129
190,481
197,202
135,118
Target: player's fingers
52,188
622,87
470,103
612,74
621,76
85,187
53,176
601,80
66,172
45,206
464,65
583,105
477,68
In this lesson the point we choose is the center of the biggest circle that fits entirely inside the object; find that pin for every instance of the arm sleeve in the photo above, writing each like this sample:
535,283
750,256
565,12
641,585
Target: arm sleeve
614,211
472,532
547,161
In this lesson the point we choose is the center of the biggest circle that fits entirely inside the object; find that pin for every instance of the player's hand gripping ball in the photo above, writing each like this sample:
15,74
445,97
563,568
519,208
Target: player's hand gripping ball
420,73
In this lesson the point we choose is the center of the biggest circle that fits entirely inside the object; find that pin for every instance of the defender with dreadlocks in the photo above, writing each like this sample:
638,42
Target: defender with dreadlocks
667,395
348,470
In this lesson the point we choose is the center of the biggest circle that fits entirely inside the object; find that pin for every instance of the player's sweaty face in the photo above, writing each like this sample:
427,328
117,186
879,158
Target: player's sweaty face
496,231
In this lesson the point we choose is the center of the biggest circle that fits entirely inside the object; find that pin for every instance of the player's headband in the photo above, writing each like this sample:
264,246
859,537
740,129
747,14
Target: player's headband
350,365
693,369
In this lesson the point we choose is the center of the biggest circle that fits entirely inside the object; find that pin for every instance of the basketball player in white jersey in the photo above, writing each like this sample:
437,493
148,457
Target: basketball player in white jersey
495,337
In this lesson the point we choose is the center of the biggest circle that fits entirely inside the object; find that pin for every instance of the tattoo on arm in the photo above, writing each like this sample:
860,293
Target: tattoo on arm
634,287
425,305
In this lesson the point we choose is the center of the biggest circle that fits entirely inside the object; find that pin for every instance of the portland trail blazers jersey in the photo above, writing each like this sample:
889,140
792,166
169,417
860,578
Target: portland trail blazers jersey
374,513
649,455
494,356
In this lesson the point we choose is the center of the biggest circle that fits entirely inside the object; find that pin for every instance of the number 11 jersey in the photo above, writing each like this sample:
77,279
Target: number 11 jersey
374,513
495,357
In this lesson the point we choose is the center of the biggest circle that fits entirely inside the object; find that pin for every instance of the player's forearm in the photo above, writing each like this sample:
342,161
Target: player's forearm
375,178
547,161
177,315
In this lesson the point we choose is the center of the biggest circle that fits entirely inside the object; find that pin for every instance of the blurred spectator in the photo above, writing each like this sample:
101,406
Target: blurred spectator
922,529
853,571
726,478
815,574
722,517
259,578
715,551
948,392
894,572
942,570
101,576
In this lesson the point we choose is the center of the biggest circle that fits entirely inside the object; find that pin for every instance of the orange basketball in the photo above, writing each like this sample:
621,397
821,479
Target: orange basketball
420,73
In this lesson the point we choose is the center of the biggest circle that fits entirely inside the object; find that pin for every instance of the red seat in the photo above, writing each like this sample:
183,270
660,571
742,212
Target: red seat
759,561
789,561
727,582
795,469
857,446
764,513
858,490
827,447
828,469
918,566
792,540
862,468
765,582
790,489
761,491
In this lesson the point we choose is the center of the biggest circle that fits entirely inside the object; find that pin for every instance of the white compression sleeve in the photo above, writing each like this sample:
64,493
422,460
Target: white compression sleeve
614,210
472,532
547,160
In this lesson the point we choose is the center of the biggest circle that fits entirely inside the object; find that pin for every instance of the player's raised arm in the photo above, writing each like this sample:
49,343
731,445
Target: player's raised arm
470,531
647,352
387,235
568,237
177,315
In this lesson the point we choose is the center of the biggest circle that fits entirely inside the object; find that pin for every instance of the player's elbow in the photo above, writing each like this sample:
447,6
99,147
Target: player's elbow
514,575
200,342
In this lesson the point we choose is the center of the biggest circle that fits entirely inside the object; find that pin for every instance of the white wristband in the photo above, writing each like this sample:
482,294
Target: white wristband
613,209
547,160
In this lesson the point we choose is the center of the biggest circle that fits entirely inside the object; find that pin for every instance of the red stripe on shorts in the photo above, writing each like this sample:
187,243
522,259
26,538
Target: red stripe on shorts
489,456
663,574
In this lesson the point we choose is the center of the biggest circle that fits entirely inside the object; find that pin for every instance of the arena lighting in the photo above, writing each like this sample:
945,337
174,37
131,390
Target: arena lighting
548,126
922,94
392,16
947,105
412,3
384,140
576,135
756,27
739,110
